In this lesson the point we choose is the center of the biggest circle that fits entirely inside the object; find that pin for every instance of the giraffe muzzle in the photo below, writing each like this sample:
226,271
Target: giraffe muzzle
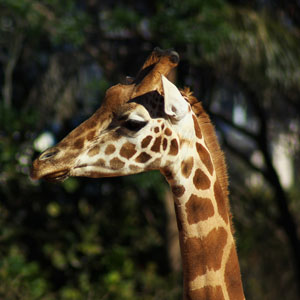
42,173
46,166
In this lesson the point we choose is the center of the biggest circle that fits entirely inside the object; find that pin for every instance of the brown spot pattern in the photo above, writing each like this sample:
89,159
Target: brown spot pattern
94,151
178,217
110,149
221,201
167,173
78,144
91,135
173,147
187,166
156,144
184,141
156,163
156,129
116,163
168,132
143,157
134,168
205,158
128,150
146,141
165,144
201,181
100,163
77,131
198,209
233,276
64,143
116,135
207,292
202,254
90,123
178,190
197,128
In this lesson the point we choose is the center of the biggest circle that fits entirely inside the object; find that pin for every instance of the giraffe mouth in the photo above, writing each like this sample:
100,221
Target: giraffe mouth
57,176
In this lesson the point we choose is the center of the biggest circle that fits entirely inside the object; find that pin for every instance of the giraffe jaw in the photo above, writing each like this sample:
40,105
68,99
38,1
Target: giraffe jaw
57,176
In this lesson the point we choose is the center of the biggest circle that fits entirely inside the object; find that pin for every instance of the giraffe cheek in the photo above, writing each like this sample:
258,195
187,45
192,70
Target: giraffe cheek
94,151
146,141
110,149
156,145
128,150
116,164
143,157
165,144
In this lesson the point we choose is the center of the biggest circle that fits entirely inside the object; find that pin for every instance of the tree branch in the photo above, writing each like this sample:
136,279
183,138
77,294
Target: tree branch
235,126
15,51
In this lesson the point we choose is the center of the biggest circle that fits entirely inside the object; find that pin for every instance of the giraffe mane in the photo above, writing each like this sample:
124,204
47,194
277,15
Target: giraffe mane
211,141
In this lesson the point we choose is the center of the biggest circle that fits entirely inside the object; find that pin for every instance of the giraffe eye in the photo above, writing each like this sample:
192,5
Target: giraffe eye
134,125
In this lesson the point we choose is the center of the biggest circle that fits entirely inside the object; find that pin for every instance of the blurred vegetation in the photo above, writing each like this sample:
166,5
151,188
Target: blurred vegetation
106,239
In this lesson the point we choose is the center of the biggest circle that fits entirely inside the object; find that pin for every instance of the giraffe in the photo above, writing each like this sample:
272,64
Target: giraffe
148,124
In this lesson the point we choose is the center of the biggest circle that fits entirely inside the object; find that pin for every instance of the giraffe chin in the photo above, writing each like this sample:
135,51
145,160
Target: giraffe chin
58,176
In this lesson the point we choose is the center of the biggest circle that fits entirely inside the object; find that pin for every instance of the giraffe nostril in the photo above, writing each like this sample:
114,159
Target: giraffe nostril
48,153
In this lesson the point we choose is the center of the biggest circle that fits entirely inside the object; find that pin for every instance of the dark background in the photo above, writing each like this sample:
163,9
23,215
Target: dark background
113,238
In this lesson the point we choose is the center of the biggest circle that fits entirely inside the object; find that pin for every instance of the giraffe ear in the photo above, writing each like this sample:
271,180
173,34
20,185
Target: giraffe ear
175,105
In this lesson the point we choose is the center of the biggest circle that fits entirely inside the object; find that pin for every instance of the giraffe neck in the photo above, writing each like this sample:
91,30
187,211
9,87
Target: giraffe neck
209,259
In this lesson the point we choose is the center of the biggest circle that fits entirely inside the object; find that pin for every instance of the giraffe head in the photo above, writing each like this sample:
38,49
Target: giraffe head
134,130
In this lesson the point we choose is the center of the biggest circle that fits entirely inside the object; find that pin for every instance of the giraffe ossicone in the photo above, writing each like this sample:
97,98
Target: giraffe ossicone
149,124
